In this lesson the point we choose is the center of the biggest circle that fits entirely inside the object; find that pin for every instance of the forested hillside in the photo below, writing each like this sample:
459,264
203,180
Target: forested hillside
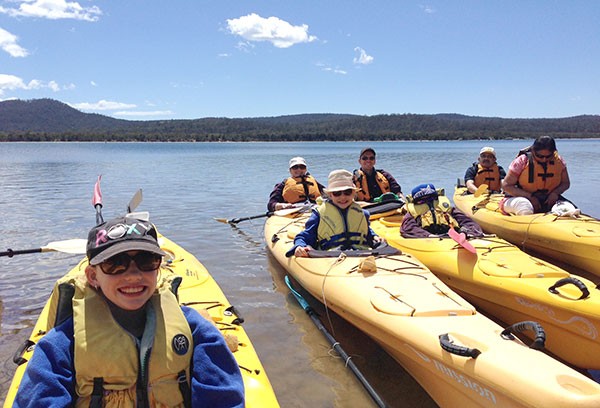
51,120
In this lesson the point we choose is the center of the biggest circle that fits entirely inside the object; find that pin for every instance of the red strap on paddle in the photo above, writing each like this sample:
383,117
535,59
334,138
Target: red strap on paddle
461,239
97,201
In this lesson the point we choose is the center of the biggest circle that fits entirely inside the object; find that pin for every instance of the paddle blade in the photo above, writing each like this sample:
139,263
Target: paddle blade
461,239
135,201
482,189
223,220
97,197
71,246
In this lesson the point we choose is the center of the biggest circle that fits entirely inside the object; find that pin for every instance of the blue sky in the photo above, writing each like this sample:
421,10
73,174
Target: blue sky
146,60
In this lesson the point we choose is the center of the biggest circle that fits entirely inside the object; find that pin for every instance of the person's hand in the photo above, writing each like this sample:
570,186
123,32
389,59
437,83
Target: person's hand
283,206
537,206
302,252
378,241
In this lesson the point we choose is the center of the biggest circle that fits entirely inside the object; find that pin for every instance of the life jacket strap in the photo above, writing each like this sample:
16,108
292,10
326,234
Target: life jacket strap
97,393
184,387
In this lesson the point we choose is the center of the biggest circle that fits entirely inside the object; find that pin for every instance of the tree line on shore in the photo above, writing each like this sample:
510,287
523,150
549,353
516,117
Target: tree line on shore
51,120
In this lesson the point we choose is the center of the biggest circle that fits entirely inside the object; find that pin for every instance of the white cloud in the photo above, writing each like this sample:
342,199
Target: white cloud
363,58
53,10
102,105
8,43
279,32
93,83
427,9
327,68
12,83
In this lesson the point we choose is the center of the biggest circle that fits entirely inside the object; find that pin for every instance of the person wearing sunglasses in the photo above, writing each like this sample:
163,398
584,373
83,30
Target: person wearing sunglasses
371,182
298,188
128,342
485,171
338,223
536,180
429,213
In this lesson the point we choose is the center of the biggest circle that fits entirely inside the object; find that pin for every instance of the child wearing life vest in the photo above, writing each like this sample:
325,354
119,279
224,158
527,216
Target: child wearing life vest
430,214
338,223
128,341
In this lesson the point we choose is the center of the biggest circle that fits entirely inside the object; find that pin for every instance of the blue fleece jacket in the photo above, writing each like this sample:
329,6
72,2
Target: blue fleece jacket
49,380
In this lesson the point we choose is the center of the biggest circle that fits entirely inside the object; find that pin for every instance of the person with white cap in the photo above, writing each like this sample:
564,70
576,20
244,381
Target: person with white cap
115,347
338,223
298,188
371,182
485,171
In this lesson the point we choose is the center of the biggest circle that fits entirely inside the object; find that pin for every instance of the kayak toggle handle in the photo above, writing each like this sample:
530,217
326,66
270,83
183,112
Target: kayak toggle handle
18,358
564,281
462,351
540,334
232,310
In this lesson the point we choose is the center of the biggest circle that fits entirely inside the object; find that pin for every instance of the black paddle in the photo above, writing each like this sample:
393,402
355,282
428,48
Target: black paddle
240,219
336,345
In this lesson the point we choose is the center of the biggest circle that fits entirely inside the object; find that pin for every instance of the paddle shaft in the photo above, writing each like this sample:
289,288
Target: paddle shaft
236,220
10,253
336,345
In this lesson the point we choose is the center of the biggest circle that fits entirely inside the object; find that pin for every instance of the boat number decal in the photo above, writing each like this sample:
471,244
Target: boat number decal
459,378
468,383
585,328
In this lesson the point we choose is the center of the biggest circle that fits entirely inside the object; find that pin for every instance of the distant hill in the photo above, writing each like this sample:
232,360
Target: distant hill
48,119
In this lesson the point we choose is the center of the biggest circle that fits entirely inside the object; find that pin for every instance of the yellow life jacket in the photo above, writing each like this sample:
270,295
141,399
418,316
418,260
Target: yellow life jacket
541,178
489,176
299,189
360,180
104,350
438,221
335,230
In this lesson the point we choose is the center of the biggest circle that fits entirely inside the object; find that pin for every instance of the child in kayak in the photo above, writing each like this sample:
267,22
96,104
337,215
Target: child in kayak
338,223
128,342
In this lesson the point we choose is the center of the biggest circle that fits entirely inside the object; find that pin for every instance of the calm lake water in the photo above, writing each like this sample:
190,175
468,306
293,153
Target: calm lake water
45,195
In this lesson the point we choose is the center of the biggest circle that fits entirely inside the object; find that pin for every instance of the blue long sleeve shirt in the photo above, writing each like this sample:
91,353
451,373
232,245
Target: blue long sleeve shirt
49,380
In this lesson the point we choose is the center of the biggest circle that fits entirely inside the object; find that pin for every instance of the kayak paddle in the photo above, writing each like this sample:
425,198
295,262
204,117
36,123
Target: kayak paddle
335,344
461,239
97,201
70,246
281,213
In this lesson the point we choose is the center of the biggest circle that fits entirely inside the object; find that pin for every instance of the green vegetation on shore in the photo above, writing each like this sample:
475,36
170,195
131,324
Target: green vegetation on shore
51,120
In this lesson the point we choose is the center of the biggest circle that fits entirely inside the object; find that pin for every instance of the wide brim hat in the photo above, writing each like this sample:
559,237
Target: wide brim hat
121,235
340,180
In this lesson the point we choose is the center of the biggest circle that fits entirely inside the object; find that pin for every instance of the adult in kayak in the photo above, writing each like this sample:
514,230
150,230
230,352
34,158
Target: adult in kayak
485,171
299,187
536,180
338,223
128,342
430,214
371,182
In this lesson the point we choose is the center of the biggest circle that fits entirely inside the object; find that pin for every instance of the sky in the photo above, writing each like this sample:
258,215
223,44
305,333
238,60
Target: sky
190,59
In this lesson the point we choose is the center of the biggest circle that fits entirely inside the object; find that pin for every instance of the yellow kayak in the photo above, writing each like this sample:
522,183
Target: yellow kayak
513,286
457,355
199,290
575,241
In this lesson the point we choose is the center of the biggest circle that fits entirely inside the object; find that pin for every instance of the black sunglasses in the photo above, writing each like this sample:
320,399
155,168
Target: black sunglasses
298,166
368,158
345,192
145,261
